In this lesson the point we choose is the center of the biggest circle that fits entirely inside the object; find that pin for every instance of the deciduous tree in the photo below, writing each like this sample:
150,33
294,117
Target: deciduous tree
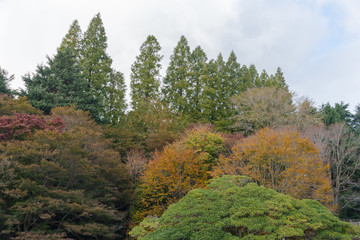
284,161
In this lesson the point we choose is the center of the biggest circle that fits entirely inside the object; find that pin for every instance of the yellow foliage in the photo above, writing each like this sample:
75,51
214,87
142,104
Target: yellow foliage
170,175
282,160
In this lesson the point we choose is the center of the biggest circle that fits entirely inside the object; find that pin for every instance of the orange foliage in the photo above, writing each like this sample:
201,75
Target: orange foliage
282,160
170,176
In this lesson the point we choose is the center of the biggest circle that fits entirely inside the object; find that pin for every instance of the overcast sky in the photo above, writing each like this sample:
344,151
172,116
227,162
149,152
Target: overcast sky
315,42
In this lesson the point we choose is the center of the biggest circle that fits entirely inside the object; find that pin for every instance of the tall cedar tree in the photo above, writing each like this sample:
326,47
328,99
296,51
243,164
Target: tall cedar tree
59,83
176,83
145,72
215,100
107,84
5,79
72,39
198,61
233,75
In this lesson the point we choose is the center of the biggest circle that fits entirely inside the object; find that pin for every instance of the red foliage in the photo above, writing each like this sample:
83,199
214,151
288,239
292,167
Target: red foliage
20,126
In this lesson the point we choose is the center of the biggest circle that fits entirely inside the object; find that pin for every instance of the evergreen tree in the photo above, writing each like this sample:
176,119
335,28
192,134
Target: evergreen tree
198,61
5,79
278,80
215,99
176,83
233,75
59,83
263,80
72,39
145,72
338,113
107,84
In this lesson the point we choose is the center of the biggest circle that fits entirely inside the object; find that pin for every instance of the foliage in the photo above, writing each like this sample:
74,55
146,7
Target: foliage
59,83
59,184
281,160
270,107
198,61
145,73
106,83
5,80
22,126
338,113
9,106
176,84
180,167
232,207
154,124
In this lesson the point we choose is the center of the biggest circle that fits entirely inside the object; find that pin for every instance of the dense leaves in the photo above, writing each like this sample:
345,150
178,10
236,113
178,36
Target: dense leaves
68,183
284,161
21,126
145,73
180,167
233,208
5,80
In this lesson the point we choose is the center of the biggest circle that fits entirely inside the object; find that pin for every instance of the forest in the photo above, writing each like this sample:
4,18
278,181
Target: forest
212,150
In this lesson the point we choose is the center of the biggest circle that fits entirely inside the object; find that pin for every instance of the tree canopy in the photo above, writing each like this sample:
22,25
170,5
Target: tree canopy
233,207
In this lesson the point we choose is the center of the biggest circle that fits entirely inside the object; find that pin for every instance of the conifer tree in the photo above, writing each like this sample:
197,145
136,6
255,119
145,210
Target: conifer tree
176,83
198,61
233,75
5,79
107,84
58,83
145,72
214,98
278,80
72,39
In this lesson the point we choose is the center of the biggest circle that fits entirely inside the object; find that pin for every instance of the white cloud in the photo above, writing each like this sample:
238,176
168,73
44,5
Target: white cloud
294,35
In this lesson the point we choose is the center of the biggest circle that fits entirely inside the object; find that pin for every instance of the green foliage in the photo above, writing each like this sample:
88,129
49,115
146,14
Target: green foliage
5,80
68,184
107,85
198,61
72,39
145,73
233,208
9,106
180,167
338,113
176,84
59,83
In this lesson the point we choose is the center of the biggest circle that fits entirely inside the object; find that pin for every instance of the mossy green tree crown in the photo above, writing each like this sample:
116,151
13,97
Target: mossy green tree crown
234,207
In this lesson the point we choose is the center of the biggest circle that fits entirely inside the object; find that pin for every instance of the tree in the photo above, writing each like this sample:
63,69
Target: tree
278,80
338,113
72,39
233,207
180,167
233,75
270,107
145,72
284,161
9,106
198,61
340,148
5,80
215,100
106,84
21,126
176,88
63,184
59,83
263,107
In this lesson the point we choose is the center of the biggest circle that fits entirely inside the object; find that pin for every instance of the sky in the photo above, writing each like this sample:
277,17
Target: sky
315,42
